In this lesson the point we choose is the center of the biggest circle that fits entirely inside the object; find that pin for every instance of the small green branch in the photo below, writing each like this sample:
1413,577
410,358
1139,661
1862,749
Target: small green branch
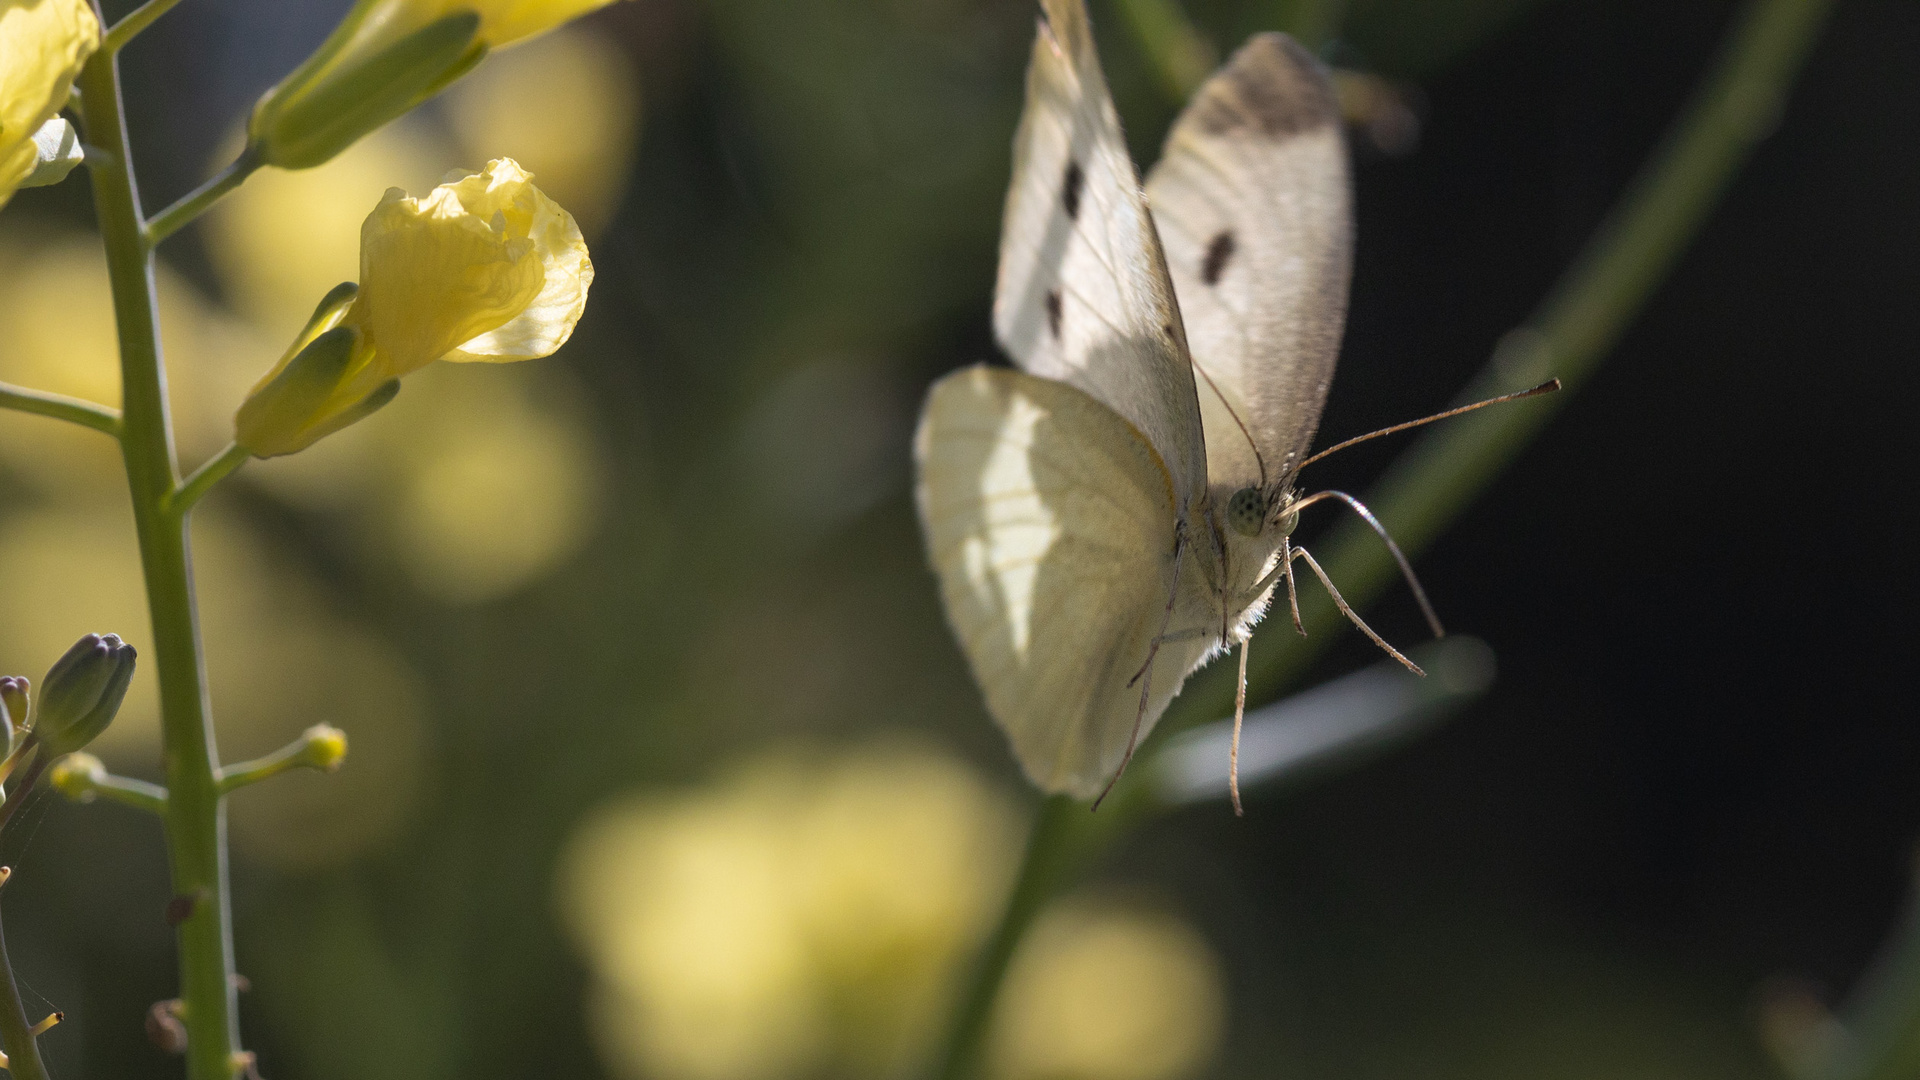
1433,482
23,1051
322,747
82,778
197,202
205,477
60,407
136,20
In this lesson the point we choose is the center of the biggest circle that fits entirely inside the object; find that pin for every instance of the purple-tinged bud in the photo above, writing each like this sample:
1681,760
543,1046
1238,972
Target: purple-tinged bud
82,693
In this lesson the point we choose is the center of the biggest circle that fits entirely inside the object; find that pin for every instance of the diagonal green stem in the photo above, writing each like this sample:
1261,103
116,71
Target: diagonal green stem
16,1032
217,468
201,199
60,407
135,21
1433,481
195,818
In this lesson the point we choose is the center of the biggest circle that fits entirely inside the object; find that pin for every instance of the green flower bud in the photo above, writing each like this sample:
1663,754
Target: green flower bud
357,82
82,692
312,393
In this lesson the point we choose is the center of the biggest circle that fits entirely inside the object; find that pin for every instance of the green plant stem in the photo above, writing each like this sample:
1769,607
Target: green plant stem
294,755
60,407
218,468
194,820
127,791
135,21
23,1049
1039,869
1434,480
199,200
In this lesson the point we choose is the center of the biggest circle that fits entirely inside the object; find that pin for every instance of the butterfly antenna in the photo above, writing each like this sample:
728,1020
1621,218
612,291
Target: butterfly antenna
1239,713
1547,387
1341,602
1406,568
1146,681
1237,422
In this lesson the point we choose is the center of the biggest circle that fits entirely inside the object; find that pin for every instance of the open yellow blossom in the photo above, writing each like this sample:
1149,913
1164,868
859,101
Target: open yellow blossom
384,58
43,43
483,268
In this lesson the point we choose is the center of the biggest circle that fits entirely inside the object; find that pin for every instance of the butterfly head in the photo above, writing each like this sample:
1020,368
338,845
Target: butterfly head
1251,511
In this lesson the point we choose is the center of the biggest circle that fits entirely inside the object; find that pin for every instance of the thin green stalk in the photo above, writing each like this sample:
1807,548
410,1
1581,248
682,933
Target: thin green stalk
60,407
23,1050
1181,56
135,21
1039,870
218,468
1434,480
194,819
198,201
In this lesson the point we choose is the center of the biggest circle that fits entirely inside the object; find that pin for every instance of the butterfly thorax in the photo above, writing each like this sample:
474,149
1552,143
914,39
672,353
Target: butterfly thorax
1247,528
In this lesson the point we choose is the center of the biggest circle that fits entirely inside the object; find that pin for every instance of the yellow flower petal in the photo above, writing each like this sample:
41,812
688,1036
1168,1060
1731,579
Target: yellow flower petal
544,324
43,44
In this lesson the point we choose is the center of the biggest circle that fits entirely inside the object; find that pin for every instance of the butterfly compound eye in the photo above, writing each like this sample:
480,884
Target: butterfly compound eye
1247,511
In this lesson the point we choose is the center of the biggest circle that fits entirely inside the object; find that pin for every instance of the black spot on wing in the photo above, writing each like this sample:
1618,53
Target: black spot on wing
1070,186
1219,250
1273,87
1053,313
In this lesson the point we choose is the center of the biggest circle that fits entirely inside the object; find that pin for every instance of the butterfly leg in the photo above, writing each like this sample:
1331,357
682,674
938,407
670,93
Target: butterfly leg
1146,676
1239,714
1165,639
1341,602
1284,570
1293,591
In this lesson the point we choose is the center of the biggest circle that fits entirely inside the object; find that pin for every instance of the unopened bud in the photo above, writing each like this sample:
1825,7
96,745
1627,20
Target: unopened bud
82,693
13,710
345,91
323,747
309,396
78,776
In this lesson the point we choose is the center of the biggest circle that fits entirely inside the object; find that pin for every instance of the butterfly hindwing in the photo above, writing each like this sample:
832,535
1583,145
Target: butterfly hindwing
1083,294
1049,522
1253,203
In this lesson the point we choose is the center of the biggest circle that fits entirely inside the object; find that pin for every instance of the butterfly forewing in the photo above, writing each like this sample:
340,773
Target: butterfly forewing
1083,294
1049,522
1252,200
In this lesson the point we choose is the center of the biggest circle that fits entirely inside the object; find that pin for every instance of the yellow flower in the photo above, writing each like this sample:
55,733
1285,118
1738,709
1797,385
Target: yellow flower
384,58
483,268
43,43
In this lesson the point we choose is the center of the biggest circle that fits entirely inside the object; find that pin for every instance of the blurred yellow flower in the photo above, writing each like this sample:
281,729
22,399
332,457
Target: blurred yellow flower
509,107
1106,993
483,268
43,44
804,917
384,58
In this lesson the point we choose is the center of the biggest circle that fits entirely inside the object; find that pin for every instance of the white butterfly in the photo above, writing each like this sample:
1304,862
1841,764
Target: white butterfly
1102,524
